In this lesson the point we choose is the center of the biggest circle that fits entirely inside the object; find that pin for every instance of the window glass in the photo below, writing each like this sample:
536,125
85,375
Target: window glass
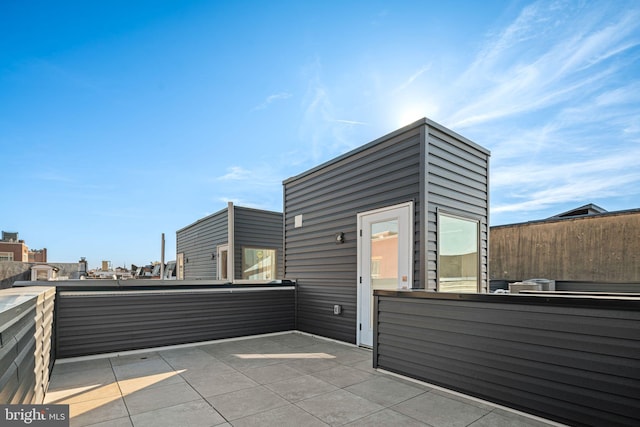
6,256
223,256
259,263
458,254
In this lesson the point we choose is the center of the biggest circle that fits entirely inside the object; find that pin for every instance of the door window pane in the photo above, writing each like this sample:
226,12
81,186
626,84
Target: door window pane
223,254
384,258
384,255
457,254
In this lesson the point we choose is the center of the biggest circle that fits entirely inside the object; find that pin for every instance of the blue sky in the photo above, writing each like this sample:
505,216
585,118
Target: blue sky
123,120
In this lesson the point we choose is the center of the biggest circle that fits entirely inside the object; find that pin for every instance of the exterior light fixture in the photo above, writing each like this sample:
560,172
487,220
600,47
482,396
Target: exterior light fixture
339,238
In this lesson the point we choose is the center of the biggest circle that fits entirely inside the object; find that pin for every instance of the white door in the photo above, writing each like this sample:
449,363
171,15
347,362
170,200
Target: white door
385,259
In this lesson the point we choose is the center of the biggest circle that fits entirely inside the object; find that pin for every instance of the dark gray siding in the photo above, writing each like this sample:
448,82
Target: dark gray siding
26,355
383,173
457,182
570,359
199,241
257,229
92,322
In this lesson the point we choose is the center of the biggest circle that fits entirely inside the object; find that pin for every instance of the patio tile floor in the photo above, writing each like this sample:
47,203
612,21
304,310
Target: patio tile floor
275,380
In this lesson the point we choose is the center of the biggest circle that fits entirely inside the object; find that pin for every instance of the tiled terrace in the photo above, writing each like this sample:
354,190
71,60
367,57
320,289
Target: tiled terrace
288,379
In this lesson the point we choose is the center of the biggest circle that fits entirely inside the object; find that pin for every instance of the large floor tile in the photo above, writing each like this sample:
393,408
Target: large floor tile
387,418
268,346
189,358
81,394
131,385
226,348
120,422
242,403
294,339
311,363
343,376
461,398
193,414
207,373
160,397
225,382
96,411
501,418
272,373
349,356
249,360
95,377
300,388
134,358
385,391
440,411
363,365
82,365
339,407
286,416
142,368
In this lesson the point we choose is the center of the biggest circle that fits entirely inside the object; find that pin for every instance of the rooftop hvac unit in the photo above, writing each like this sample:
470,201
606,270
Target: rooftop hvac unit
545,284
515,288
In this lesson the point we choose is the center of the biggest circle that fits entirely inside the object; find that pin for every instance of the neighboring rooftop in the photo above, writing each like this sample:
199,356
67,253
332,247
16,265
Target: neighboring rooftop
585,210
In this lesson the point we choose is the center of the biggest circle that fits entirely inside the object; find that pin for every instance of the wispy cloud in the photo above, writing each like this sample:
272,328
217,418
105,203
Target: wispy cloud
350,122
235,173
536,63
53,177
550,95
321,130
411,79
271,99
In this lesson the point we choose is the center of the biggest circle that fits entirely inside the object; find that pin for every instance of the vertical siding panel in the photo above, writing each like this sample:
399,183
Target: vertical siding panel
458,182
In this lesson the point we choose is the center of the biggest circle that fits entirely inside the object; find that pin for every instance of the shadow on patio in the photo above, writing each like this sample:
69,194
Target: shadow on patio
278,379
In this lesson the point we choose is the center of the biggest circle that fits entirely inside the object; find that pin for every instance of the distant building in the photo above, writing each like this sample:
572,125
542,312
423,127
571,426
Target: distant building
38,255
13,249
586,244
44,272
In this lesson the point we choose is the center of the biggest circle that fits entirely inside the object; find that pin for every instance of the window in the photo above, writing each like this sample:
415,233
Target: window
458,254
259,263
6,256
223,257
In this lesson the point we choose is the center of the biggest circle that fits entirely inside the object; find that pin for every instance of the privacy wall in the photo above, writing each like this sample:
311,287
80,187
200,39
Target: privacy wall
26,351
159,313
572,359
602,248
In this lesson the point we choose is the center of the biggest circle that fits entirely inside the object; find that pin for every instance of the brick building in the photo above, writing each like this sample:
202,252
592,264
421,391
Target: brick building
14,249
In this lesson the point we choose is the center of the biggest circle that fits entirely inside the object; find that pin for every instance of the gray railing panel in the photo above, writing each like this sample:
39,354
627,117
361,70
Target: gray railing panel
574,360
